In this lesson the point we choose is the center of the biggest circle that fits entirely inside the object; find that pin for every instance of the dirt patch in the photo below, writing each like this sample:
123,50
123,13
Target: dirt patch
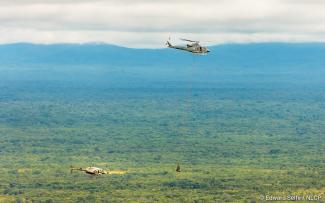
117,172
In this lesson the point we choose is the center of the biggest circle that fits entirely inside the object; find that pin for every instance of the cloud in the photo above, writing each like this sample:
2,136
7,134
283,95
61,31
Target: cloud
147,23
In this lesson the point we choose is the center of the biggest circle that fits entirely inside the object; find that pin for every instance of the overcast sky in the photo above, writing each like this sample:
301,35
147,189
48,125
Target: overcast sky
148,23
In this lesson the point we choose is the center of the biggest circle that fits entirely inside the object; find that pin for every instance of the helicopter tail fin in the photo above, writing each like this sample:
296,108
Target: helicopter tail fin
168,44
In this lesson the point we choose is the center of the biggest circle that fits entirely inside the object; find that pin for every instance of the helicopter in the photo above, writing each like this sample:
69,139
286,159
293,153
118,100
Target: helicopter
193,47
90,170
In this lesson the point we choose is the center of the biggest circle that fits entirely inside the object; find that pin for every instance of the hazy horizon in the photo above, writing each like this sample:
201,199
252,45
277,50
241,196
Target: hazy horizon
144,23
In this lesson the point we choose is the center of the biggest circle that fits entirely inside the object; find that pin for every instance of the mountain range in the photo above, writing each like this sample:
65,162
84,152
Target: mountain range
260,63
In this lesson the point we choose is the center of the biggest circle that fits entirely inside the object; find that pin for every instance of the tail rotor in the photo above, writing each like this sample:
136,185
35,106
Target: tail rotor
168,42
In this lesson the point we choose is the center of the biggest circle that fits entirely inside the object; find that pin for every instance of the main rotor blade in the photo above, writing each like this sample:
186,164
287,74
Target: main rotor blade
188,40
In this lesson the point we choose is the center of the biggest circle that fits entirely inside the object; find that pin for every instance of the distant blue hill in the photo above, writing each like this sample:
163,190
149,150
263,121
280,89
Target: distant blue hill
242,55
273,62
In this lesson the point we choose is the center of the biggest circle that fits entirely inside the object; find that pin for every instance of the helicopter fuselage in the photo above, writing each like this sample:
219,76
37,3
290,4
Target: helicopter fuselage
194,48
90,170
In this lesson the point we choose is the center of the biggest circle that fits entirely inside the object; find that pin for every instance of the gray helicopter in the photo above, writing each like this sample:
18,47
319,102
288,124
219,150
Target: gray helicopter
90,170
193,47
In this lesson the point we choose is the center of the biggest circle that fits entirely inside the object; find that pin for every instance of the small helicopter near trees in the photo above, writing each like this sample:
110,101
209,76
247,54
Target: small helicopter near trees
193,47
90,170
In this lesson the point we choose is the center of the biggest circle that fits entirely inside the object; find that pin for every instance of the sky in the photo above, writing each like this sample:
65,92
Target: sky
149,23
